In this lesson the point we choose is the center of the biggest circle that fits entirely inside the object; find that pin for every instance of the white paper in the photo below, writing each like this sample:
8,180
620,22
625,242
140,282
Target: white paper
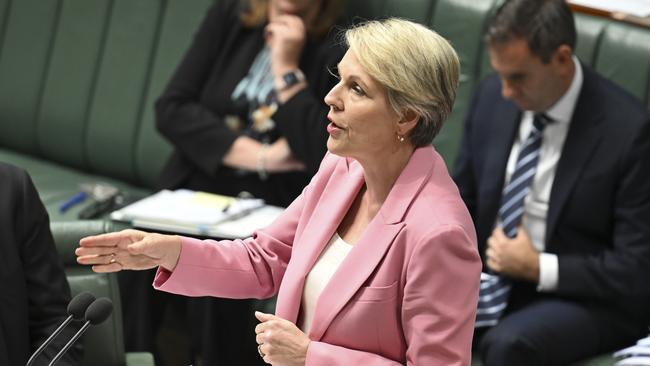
197,213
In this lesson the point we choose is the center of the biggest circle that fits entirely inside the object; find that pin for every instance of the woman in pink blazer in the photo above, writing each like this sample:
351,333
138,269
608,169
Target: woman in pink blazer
376,262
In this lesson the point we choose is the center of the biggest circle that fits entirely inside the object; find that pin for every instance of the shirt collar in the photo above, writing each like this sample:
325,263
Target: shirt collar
562,110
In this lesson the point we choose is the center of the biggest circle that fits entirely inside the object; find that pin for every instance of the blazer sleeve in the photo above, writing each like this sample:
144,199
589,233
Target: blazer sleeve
196,132
250,268
623,269
47,287
438,308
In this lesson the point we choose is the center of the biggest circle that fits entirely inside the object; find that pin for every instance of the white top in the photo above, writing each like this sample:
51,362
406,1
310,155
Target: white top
536,202
323,270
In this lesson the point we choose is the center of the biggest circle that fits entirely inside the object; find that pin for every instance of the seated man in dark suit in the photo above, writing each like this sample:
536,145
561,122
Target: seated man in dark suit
555,169
34,292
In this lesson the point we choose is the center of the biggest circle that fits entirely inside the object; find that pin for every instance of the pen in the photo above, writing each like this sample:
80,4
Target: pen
77,198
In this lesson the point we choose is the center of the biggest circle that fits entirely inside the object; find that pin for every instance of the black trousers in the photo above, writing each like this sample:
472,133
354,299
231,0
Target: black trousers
219,331
551,331
223,331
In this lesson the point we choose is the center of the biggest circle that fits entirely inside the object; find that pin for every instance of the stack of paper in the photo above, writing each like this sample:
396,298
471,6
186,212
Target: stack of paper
188,212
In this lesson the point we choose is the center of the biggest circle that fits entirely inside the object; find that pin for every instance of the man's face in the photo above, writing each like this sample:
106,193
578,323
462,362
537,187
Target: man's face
526,80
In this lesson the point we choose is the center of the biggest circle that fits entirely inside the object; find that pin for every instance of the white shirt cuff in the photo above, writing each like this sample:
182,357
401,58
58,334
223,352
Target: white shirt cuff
548,272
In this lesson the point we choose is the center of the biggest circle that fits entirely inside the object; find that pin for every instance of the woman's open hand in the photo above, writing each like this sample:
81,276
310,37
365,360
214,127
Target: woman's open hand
129,249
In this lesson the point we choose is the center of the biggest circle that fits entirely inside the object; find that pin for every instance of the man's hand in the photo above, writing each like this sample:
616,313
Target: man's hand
514,257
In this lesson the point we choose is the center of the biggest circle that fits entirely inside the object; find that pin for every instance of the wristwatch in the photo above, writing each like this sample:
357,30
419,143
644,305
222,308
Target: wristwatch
290,79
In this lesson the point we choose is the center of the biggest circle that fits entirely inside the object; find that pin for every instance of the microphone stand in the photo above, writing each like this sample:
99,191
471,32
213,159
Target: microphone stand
49,339
67,346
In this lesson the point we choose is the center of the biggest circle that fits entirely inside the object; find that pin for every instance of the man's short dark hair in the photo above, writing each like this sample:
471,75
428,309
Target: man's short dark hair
544,24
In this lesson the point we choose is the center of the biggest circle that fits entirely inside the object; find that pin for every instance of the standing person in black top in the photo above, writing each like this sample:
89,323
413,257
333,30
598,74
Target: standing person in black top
245,109
35,292
245,112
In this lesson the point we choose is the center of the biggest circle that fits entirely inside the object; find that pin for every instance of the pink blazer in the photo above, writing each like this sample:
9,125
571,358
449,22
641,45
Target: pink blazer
405,294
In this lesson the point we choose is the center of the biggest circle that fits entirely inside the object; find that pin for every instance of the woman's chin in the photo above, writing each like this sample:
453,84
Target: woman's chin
334,146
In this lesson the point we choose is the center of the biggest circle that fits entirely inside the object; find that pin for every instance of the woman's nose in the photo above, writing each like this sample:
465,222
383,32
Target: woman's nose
332,99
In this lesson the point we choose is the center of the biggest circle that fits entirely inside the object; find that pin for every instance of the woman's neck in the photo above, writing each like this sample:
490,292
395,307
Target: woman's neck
380,176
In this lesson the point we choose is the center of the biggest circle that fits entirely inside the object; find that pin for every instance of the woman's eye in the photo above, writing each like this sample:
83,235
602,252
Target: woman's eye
357,89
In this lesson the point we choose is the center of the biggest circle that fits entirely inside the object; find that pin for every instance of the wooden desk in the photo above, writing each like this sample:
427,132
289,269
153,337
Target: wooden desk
615,15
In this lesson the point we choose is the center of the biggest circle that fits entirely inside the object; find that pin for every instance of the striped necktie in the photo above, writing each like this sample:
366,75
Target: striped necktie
494,290
638,354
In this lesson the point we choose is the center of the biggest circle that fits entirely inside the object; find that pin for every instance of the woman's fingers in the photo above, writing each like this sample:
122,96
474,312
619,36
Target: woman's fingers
107,268
88,251
120,238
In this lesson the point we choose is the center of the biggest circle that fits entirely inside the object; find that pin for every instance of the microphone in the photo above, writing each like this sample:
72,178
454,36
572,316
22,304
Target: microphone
76,310
96,313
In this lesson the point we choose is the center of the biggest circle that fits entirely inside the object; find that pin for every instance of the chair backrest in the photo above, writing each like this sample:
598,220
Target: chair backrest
78,80
103,343
463,23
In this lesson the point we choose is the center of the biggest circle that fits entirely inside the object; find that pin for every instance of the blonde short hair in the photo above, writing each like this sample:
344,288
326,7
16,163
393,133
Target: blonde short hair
418,67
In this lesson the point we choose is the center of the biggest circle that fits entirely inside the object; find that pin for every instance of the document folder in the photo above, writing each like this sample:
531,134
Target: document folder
199,213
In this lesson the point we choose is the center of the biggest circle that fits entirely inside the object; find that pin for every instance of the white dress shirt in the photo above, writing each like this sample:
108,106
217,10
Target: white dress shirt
536,202
319,276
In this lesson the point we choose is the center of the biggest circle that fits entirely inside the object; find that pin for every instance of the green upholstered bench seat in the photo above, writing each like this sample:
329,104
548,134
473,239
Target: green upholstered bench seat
78,80
103,343
56,183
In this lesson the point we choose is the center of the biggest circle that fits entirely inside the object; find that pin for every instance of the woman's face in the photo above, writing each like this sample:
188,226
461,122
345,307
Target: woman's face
362,125
293,7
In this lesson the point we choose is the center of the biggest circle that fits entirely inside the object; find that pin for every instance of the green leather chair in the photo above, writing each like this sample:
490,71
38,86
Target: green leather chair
624,57
462,22
103,343
78,80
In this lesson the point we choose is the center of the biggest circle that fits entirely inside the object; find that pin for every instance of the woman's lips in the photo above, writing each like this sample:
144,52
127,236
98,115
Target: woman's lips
332,128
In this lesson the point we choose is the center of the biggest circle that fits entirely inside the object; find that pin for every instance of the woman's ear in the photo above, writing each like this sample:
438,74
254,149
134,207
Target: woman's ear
408,122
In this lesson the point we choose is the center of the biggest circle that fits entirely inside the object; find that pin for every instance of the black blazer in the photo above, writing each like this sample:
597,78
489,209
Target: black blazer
599,211
34,292
191,112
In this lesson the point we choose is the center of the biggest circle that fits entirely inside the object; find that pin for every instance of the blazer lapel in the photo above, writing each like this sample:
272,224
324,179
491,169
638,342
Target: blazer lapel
328,214
374,243
582,138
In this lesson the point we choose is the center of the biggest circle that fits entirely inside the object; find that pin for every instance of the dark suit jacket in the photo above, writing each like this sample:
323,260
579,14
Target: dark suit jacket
599,211
34,292
191,112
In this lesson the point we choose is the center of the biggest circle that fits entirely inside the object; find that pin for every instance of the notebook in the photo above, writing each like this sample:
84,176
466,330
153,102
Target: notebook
185,211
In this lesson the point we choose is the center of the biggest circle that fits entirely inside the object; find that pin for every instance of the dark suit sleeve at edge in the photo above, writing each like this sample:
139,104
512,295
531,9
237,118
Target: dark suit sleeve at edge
47,287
